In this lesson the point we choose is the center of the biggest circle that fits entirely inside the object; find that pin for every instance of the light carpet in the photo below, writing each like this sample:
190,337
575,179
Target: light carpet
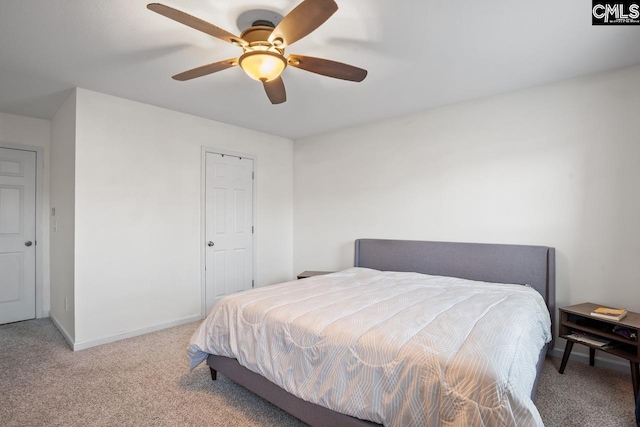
145,381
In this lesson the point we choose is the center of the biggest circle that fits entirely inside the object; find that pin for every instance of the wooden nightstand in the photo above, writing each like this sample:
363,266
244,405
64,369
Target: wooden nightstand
577,318
306,274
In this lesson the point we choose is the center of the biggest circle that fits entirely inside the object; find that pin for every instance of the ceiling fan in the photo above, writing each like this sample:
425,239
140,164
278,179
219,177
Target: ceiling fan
263,46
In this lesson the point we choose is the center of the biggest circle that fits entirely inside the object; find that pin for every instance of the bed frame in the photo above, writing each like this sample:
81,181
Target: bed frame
517,264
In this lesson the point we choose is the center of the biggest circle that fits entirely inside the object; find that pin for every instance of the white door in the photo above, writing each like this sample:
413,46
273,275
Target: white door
228,226
17,235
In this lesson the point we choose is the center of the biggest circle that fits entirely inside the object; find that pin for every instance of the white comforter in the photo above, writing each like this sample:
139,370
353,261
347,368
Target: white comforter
400,349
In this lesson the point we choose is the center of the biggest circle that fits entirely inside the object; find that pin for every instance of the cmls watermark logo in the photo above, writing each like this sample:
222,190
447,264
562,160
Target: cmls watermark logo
615,12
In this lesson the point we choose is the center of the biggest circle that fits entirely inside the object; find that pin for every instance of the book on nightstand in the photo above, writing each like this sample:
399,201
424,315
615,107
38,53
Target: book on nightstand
615,314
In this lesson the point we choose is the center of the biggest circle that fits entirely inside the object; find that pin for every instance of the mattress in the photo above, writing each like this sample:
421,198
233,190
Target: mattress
398,349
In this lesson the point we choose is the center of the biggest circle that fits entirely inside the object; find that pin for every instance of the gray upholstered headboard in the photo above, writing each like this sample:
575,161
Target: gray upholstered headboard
518,264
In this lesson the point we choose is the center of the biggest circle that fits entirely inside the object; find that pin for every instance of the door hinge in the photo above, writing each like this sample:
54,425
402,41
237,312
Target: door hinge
253,175
252,229
252,283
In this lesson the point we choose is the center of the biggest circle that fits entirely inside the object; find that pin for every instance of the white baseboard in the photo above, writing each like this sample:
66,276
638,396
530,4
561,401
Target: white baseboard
113,338
62,330
616,364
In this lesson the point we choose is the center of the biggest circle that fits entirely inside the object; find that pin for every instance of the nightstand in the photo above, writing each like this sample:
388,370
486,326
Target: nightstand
577,318
306,274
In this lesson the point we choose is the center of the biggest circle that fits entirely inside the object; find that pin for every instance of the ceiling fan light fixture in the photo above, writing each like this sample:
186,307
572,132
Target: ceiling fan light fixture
262,65
265,36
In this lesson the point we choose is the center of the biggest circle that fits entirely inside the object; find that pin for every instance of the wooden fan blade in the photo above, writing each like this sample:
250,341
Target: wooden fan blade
275,91
197,23
302,20
206,69
328,68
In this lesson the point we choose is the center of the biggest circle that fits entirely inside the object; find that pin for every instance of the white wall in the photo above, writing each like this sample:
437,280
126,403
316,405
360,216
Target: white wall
137,223
556,165
27,132
63,140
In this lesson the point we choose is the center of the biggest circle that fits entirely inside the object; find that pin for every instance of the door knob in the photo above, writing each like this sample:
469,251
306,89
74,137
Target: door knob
28,243
210,243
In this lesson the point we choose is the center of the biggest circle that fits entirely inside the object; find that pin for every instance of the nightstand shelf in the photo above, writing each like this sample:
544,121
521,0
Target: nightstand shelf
624,352
309,273
577,318
601,333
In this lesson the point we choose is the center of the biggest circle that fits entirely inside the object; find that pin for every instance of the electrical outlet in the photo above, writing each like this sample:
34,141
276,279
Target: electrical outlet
66,306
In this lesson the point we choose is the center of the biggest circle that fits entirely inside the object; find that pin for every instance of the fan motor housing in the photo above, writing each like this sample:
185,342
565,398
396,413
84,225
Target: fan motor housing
258,39
258,33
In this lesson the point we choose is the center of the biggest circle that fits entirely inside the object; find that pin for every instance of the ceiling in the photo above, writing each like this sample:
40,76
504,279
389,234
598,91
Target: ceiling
420,54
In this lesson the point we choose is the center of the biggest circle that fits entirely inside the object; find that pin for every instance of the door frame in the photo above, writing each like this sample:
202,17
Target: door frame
203,192
39,220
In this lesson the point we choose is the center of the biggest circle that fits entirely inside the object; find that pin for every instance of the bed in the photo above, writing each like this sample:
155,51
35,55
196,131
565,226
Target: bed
469,280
